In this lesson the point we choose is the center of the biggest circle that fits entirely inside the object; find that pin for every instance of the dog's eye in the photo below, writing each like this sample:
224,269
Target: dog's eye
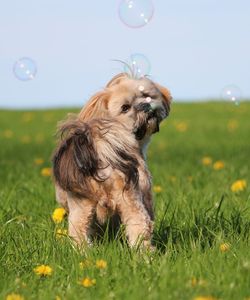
146,95
125,108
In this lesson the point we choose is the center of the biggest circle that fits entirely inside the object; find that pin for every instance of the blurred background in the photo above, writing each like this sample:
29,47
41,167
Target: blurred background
195,48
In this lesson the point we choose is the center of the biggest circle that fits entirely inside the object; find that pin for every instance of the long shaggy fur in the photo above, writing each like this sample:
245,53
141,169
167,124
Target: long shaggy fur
99,164
76,160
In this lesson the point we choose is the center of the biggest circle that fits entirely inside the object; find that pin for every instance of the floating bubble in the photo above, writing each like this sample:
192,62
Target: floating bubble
25,69
136,13
138,65
232,93
141,88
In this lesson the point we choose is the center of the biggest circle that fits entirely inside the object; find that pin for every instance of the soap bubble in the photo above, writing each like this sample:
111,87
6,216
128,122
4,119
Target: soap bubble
232,93
138,65
136,13
25,69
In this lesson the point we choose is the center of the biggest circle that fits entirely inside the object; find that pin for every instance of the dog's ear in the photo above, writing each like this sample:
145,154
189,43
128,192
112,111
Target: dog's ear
116,79
75,159
166,95
96,107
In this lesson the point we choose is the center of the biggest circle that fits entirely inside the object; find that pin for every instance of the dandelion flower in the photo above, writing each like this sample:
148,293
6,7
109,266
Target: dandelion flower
58,214
48,117
181,126
157,189
206,161
26,139
85,264
162,146
38,161
87,282
232,125
8,134
43,270
39,138
224,247
172,178
198,282
239,185
14,296
46,172
101,264
60,233
218,165
27,117
204,298
194,281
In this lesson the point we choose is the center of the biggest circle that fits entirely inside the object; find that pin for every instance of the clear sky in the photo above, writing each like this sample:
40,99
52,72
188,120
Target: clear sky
195,47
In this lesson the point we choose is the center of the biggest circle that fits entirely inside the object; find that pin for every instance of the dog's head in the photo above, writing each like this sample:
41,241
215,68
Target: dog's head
139,104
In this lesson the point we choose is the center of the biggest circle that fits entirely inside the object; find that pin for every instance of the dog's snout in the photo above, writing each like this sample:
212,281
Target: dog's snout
146,107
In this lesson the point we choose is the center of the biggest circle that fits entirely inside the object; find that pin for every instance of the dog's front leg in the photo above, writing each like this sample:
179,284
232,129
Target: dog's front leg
81,213
136,219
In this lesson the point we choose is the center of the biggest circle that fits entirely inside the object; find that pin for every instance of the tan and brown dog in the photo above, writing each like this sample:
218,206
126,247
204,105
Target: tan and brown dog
99,165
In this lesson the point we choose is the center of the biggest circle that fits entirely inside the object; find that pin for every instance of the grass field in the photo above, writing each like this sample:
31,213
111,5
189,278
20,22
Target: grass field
202,227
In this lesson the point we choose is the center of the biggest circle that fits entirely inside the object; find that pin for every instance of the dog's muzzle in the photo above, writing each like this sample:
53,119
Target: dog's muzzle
144,106
148,117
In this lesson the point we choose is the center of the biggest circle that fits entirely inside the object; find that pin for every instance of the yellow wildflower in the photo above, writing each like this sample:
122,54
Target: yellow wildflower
238,186
39,138
58,298
25,139
48,117
27,117
101,264
8,133
43,270
206,160
58,214
181,126
194,281
87,282
218,165
204,298
46,172
60,233
14,296
162,146
198,282
157,189
172,178
85,264
224,247
232,125
38,161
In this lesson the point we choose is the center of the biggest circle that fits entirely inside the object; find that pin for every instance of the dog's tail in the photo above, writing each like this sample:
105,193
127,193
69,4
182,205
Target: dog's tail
75,158
86,150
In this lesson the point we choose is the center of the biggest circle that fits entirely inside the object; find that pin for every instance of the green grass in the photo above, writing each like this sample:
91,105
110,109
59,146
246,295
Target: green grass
196,212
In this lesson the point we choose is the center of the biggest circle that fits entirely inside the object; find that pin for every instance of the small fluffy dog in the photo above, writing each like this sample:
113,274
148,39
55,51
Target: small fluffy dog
99,165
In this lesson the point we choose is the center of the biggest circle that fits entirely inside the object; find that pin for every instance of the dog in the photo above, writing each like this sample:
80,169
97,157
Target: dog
99,165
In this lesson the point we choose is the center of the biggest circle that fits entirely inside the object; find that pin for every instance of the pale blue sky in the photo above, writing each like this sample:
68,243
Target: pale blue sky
196,47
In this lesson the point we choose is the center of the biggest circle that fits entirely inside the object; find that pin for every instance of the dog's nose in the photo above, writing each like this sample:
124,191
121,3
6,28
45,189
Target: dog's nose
146,107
